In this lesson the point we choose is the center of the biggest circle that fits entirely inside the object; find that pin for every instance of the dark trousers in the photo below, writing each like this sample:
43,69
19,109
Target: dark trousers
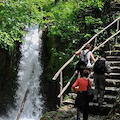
99,86
84,111
82,105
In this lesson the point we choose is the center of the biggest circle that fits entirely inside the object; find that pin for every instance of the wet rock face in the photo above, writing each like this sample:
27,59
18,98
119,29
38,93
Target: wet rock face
8,75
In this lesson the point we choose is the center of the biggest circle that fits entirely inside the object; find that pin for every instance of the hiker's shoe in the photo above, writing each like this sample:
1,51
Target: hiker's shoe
95,99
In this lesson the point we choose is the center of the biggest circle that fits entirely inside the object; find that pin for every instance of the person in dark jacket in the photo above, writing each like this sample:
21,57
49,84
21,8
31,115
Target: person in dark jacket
99,77
82,102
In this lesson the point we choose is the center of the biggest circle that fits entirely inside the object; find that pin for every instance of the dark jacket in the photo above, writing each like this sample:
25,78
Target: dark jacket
107,66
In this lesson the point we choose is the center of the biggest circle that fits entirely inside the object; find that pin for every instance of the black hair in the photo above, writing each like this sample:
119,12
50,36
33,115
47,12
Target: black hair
103,54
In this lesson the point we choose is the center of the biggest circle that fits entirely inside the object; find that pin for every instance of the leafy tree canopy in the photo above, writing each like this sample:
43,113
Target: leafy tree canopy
15,14
70,23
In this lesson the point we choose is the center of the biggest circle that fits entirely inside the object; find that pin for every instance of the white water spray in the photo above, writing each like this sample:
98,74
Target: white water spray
29,74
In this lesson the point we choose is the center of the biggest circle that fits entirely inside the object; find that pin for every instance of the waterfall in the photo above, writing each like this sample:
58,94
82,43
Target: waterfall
29,73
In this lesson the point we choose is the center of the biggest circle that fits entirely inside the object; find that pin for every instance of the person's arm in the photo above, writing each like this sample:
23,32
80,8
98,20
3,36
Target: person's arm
74,85
78,53
92,57
92,66
108,69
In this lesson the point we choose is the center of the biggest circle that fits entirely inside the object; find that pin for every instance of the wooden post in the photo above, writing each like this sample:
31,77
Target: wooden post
95,42
57,74
22,105
63,90
96,48
116,40
61,87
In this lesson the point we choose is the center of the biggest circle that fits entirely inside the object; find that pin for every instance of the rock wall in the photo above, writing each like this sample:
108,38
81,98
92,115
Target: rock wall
8,74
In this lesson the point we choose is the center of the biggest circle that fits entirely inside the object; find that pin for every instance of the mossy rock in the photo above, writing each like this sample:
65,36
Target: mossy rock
115,111
61,114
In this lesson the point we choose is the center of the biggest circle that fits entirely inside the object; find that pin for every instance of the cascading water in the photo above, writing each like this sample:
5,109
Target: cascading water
29,74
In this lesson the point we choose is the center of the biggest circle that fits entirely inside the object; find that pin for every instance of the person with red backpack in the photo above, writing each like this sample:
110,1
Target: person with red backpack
100,67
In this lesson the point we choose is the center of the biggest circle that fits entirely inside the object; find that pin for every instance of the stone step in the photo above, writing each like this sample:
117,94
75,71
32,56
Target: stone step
110,82
115,69
110,90
114,76
113,52
113,58
110,99
114,63
104,105
117,5
72,95
69,101
100,110
109,76
117,47
94,108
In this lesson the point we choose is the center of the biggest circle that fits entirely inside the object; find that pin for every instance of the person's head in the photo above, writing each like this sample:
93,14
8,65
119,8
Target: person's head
103,54
85,73
88,47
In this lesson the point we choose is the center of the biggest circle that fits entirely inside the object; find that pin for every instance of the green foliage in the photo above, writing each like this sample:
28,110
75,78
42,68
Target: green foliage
67,22
70,24
66,97
15,15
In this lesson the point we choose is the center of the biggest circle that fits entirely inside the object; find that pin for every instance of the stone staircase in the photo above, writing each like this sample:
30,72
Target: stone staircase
112,85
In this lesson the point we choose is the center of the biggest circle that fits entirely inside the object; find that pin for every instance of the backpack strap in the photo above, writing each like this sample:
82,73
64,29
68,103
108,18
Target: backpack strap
88,83
84,54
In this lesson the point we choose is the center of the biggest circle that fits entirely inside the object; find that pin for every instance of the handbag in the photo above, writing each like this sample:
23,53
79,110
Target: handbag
90,92
80,100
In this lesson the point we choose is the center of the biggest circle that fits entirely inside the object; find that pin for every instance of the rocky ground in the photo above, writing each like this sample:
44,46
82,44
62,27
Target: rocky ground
96,117
68,113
